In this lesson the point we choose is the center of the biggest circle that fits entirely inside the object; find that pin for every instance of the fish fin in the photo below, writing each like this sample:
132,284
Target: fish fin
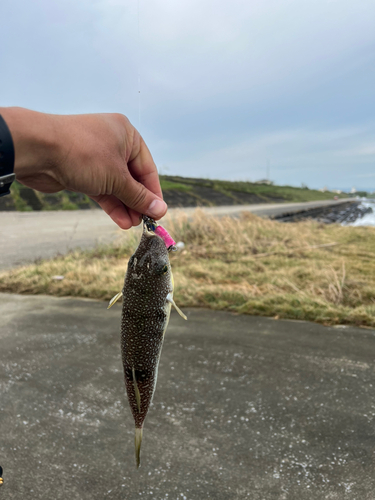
138,442
114,299
136,390
170,299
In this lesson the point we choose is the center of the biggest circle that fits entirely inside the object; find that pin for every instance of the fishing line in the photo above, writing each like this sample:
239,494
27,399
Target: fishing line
139,65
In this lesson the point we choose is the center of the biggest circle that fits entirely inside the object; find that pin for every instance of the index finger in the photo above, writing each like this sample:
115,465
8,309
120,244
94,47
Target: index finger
143,169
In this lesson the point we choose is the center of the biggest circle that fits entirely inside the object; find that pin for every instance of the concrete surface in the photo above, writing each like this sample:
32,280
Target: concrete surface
28,236
245,408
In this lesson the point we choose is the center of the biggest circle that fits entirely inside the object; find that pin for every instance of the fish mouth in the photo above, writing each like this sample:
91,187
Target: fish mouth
147,232
149,224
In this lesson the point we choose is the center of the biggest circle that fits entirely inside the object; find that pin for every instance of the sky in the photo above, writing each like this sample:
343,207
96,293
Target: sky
218,89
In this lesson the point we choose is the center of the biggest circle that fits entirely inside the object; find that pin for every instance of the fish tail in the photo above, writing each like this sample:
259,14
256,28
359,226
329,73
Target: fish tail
138,442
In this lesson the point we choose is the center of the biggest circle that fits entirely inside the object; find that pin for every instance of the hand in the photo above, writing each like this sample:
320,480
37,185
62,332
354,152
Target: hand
101,155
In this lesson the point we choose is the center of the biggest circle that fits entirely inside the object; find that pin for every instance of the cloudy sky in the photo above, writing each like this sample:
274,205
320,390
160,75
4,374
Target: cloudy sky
226,88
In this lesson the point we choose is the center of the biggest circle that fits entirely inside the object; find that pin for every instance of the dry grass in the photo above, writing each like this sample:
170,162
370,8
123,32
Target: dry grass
249,265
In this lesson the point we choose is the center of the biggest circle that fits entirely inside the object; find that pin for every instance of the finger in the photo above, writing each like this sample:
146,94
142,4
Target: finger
136,217
115,209
142,166
136,196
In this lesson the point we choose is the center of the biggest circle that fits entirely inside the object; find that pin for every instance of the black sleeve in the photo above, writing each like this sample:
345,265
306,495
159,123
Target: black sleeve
6,158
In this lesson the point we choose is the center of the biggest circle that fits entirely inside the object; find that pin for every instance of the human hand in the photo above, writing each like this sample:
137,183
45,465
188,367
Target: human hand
101,155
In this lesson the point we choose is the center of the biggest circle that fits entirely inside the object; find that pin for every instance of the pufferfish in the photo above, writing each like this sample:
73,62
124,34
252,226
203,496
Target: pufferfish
147,301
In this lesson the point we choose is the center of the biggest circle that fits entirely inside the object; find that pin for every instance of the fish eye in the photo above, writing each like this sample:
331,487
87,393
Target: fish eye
162,269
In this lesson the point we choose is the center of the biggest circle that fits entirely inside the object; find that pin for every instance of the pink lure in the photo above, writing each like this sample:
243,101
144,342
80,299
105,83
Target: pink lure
164,235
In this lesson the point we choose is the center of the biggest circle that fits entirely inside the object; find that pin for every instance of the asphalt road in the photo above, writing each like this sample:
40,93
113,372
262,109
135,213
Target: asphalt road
245,408
29,236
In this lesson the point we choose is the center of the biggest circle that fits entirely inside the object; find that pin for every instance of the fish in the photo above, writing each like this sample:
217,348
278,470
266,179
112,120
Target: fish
147,301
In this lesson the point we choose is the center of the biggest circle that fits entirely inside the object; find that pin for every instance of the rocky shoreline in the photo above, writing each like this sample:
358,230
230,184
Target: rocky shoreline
341,213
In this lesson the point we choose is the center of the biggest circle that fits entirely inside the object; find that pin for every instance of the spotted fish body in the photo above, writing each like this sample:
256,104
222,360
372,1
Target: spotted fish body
147,300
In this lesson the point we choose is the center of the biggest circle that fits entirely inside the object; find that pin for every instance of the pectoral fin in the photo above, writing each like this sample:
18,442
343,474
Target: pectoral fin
114,299
170,299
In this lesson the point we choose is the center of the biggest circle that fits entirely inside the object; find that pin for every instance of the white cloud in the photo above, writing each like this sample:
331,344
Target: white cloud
225,86
294,156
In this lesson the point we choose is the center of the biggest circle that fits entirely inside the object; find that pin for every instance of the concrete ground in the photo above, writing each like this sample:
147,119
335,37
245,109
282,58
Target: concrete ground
245,407
28,236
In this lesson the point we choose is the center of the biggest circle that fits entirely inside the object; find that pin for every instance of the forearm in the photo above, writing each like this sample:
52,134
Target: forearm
35,141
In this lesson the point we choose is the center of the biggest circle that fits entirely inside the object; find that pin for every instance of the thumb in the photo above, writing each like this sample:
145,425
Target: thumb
136,196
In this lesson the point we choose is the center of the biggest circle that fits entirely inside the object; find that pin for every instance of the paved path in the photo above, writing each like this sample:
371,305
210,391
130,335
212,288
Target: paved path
28,236
245,408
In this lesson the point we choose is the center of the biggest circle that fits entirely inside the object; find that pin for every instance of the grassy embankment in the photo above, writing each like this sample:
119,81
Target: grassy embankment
237,190
178,191
249,265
